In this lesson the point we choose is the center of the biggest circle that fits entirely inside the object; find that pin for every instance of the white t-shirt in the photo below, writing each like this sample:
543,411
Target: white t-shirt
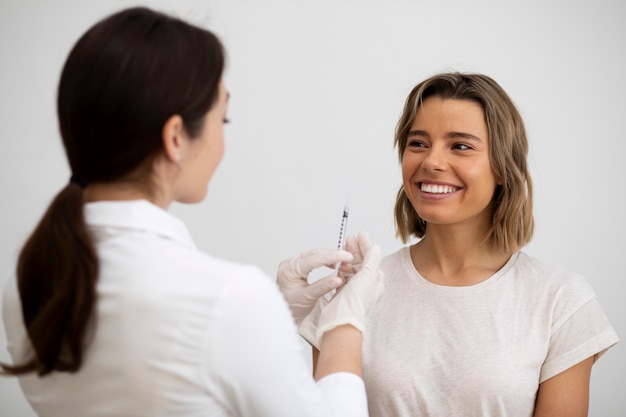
480,350
180,333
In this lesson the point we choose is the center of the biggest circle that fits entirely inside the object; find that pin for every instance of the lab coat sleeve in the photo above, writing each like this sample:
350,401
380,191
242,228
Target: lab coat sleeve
262,365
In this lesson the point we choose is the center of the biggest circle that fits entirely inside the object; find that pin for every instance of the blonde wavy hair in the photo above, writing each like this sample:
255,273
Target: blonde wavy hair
512,217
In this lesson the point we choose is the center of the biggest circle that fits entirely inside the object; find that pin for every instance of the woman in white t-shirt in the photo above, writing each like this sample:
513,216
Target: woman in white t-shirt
469,325
113,311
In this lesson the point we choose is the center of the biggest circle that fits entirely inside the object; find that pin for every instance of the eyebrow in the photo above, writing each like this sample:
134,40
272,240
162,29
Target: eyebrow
449,135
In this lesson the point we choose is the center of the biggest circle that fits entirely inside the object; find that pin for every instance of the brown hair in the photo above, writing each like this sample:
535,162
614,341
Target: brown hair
512,217
122,80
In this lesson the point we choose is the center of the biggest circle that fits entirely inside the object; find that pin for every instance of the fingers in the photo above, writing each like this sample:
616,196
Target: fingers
381,280
364,242
323,286
301,266
372,259
346,269
370,265
358,245
352,245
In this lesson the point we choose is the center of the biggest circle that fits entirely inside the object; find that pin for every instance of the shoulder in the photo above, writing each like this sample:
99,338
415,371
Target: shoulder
549,276
395,261
231,269
248,282
242,287
176,280
560,290
197,270
238,283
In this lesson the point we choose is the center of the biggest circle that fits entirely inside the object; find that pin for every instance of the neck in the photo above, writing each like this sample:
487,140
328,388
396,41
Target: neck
124,191
455,256
151,181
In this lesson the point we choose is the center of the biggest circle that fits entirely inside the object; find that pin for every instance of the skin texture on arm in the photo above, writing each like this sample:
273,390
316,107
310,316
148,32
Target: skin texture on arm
316,357
566,394
340,352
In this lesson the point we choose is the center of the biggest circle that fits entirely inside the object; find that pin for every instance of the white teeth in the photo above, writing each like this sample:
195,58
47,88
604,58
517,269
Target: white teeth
437,189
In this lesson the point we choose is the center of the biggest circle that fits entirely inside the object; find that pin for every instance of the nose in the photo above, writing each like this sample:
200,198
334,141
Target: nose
434,160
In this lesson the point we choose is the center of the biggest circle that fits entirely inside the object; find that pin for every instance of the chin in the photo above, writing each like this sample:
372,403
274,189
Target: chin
193,199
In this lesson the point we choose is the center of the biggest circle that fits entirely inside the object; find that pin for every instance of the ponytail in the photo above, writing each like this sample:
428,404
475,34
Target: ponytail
121,82
56,277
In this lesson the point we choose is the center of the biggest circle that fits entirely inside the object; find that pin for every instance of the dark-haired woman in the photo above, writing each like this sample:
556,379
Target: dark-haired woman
113,310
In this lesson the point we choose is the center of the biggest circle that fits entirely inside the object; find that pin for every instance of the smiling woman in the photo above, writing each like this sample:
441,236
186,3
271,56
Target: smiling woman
469,324
500,135
445,165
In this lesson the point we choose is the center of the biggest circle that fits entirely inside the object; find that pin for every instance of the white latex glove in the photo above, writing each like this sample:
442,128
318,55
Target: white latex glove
358,246
293,274
353,301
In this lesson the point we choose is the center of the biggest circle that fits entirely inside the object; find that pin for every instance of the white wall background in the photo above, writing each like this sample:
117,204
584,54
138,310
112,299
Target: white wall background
316,88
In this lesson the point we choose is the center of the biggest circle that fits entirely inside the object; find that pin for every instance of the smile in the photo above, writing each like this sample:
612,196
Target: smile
437,189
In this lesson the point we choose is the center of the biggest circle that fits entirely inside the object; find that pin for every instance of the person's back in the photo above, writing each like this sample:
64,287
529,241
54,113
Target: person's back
112,310
165,311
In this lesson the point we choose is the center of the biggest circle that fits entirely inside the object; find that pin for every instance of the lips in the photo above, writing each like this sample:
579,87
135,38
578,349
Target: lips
437,188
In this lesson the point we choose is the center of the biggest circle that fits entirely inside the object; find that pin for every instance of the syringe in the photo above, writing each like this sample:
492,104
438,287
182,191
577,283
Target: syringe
342,232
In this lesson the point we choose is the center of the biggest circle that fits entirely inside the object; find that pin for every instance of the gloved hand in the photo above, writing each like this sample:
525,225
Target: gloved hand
358,246
292,279
353,301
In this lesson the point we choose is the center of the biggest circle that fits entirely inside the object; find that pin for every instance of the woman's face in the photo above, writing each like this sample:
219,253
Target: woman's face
446,170
204,153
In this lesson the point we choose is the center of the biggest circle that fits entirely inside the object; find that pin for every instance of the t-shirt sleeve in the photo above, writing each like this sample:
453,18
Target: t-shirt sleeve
580,331
261,363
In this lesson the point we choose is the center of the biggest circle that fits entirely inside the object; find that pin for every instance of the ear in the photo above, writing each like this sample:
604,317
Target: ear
173,138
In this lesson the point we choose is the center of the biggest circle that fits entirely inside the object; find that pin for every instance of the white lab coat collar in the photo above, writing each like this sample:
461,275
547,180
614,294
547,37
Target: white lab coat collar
137,215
